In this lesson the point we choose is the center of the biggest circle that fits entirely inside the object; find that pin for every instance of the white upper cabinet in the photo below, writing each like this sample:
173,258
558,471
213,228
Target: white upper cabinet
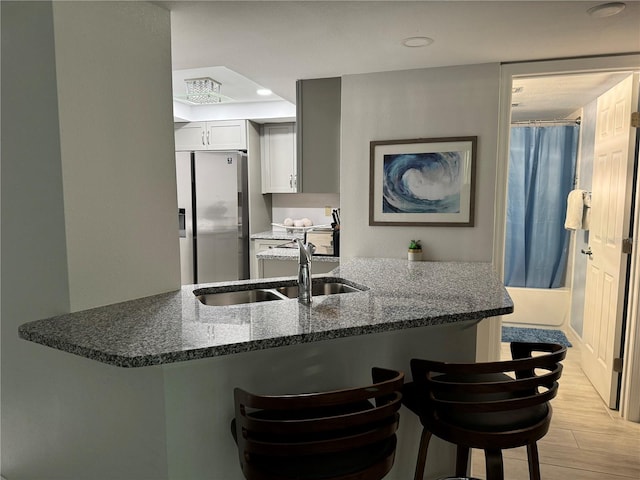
278,146
190,136
215,135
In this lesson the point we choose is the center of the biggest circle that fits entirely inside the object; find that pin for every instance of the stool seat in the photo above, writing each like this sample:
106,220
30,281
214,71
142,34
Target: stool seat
491,406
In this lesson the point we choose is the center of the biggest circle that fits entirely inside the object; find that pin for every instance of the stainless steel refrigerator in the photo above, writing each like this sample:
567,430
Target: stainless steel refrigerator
213,216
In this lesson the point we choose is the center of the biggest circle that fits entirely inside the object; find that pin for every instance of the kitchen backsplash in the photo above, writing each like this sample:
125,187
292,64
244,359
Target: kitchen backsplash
304,205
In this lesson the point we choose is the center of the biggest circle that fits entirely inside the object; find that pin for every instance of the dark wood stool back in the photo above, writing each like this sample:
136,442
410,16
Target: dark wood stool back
339,435
491,406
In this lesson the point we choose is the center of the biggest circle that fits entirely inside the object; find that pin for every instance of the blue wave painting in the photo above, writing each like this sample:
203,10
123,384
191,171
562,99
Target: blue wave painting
422,182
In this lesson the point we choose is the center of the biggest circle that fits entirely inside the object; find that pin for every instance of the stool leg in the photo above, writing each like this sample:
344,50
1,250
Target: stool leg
534,461
462,459
422,454
495,469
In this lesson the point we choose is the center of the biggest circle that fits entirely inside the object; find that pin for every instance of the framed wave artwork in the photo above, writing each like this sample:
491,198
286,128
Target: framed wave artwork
423,181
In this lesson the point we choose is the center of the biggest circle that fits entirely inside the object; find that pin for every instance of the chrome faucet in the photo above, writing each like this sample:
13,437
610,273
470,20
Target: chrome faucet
304,271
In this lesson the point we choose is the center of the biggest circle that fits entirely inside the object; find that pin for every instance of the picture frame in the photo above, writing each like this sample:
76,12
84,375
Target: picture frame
422,182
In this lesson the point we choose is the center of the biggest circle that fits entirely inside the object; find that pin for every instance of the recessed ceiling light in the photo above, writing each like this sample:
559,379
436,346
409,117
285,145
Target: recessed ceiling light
264,92
606,9
413,42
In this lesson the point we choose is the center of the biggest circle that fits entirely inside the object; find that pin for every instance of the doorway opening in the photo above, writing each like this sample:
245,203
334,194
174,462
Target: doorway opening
550,76
551,139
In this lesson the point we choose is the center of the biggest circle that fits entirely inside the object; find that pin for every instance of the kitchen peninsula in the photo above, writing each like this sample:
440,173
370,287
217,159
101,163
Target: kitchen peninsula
407,309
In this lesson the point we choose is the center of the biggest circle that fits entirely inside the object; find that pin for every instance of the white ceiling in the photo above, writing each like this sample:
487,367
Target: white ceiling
275,43
234,87
559,96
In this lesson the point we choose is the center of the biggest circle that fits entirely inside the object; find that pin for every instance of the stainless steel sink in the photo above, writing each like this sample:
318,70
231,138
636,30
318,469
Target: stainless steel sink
239,297
319,288
273,291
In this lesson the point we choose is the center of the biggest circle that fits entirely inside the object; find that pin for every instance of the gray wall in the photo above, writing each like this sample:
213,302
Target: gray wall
113,63
424,103
34,278
88,217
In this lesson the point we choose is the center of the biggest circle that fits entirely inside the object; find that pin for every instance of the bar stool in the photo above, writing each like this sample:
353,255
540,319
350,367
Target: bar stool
478,405
338,435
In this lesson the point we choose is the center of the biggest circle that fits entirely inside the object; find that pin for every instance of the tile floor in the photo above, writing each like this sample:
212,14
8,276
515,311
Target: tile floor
587,441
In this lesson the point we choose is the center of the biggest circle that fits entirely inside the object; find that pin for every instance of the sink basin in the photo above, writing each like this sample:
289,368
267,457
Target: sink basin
238,297
275,291
319,288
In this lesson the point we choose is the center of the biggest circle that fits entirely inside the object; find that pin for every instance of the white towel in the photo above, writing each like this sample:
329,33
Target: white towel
575,210
586,215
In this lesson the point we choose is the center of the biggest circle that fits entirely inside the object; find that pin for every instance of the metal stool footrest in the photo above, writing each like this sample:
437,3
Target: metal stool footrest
459,478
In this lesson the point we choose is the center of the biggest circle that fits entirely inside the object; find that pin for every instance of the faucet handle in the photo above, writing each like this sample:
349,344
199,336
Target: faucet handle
311,248
305,252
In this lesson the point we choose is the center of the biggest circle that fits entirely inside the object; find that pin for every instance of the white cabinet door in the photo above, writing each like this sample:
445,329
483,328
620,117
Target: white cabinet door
226,135
219,135
190,136
279,158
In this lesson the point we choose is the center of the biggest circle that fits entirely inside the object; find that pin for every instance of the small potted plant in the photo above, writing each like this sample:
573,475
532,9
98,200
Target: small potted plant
415,251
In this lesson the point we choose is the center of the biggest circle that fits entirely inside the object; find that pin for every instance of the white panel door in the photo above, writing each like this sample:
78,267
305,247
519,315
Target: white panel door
610,216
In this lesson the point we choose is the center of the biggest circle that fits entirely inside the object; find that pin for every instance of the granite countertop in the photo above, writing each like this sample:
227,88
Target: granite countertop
277,235
175,326
291,254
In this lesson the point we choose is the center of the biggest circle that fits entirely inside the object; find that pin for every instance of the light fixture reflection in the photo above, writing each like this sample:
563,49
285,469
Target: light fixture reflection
413,42
606,9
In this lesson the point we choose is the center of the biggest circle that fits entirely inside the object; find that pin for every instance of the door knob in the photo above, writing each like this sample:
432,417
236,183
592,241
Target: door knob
587,251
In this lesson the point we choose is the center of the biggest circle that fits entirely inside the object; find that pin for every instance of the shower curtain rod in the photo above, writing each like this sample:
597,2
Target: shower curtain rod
565,121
